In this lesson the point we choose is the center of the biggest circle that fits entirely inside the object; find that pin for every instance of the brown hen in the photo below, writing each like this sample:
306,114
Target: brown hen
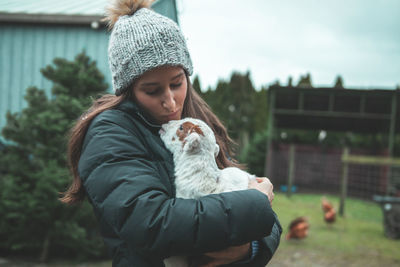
329,211
298,228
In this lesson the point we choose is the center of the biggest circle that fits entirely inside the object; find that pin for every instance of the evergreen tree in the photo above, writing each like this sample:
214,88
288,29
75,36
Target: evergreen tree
276,83
242,99
290,81
305,81
339,82
208,95
260,118
196,85
234,103
34,167
254,154
242,109
218,100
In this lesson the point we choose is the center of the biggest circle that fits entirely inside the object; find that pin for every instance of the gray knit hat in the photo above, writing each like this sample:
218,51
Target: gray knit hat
143,41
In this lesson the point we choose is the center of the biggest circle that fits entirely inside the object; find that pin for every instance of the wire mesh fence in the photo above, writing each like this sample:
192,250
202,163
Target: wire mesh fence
319,169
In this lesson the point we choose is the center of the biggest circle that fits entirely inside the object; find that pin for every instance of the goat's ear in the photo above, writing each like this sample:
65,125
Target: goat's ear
192,144
216,151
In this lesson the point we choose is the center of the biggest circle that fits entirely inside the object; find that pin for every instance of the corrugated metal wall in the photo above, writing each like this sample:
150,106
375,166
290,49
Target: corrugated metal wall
25,49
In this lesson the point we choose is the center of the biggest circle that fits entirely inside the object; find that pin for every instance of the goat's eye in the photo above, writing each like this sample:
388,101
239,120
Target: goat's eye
181,128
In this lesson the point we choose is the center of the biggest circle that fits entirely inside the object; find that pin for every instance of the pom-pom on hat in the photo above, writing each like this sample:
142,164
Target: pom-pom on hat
141,40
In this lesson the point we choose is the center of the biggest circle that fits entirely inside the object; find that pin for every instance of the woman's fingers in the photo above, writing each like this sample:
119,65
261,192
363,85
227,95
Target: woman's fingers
264,185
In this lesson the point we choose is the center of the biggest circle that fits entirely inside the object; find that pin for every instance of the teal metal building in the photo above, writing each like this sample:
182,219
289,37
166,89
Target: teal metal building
33,33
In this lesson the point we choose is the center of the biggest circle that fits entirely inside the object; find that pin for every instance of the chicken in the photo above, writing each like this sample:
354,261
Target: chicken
329,211
298,228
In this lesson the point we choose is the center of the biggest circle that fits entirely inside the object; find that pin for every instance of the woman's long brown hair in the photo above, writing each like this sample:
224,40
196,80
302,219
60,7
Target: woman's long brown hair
194,106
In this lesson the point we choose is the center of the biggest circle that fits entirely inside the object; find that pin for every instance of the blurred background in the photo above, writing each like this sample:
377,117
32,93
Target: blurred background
309,90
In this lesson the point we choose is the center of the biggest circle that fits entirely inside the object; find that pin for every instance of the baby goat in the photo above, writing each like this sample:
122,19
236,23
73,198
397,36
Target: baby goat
194,148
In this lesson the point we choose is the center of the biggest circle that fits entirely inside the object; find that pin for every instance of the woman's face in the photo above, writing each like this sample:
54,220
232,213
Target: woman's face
162,92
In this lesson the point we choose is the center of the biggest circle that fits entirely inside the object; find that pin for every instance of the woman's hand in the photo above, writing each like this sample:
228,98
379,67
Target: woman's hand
225,256
263,185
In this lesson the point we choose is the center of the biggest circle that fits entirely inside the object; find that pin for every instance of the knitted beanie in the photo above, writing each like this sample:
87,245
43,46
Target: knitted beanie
143,40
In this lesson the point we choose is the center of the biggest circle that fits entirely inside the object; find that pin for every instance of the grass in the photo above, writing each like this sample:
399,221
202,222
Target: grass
357,239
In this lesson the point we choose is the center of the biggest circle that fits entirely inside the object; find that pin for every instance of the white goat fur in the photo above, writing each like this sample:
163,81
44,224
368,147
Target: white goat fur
194,148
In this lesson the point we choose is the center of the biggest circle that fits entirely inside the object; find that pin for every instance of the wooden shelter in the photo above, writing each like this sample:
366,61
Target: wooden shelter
369,111
334,109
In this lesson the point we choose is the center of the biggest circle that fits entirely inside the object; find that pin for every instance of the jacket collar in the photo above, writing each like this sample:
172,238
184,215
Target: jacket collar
133,109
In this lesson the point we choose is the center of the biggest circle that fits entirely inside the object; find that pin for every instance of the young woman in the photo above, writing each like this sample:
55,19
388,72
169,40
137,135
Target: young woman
120,163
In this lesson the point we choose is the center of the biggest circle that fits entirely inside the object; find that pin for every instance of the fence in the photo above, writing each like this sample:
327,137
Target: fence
317,169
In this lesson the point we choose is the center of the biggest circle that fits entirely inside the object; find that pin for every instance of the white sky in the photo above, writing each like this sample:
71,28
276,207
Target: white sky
275,39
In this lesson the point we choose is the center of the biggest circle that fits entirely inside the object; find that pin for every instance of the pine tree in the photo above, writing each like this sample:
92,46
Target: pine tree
305,81
196,85
241,108
33,221
290,81
233,103
259,120
254,154
339,82
242,97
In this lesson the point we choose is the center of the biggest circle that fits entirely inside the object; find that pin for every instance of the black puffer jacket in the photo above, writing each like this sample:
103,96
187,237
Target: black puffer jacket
128,176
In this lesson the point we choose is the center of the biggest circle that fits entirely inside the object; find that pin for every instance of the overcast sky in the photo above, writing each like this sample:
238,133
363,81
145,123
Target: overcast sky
275,39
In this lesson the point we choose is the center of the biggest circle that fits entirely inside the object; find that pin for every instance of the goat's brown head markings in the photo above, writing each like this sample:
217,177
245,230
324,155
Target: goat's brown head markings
187,128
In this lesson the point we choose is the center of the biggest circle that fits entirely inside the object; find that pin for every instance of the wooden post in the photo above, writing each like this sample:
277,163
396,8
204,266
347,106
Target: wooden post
392,128
301,101
292,150
345,170
271,123
392,131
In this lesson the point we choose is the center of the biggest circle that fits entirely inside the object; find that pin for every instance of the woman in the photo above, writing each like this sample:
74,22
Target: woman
121,165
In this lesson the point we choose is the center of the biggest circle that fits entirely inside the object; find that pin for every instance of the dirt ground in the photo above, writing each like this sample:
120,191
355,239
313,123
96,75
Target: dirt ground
306,258
282,258
297,259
